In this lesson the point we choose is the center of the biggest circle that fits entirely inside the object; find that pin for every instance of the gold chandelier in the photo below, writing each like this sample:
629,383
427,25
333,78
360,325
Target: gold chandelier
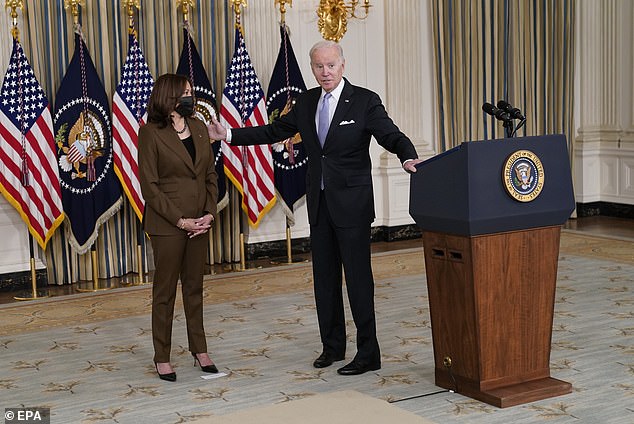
334,14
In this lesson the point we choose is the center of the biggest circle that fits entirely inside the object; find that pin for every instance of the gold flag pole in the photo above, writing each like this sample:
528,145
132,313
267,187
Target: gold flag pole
237,5
96,286
74,5
14,5
129,6
289,253
74,8
282,4
184,6
35,293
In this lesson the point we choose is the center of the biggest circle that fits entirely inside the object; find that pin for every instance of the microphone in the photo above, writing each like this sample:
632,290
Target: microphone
494,111
512,111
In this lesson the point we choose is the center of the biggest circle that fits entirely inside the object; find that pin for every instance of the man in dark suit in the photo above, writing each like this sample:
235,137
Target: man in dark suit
336,121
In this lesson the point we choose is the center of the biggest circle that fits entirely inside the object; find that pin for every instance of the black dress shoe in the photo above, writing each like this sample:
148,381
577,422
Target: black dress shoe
167,377
206,368
325,360
356,368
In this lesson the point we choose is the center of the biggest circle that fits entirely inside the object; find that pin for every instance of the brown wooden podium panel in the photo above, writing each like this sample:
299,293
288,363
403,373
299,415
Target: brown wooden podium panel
491,302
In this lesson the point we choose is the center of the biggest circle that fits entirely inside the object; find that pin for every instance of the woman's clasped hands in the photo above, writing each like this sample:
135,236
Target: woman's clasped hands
196,226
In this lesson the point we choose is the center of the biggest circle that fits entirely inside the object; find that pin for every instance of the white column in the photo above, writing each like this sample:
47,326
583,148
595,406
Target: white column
603,165
409,99
625,148
627,18
598,71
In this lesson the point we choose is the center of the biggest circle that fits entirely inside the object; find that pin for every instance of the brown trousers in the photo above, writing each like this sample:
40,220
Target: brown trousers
174,257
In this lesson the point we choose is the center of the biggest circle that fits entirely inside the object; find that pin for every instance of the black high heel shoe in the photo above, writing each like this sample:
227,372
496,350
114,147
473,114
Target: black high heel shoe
167,377
207,368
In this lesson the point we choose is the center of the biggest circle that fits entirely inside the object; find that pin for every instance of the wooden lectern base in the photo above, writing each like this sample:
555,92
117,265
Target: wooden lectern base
491,304
503,397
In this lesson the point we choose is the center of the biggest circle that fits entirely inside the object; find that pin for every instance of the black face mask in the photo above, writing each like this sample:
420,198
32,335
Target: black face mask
185,106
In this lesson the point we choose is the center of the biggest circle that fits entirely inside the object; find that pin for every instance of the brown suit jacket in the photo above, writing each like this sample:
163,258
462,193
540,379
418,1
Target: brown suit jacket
173,187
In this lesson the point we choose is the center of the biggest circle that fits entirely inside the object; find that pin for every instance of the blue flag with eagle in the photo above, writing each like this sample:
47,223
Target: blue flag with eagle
91,192
192,67
289,157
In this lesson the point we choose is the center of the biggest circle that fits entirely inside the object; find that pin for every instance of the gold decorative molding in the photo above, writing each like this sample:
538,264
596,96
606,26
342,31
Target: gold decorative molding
333,17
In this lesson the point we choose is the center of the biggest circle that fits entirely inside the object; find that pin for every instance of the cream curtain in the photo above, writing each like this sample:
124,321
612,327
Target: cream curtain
487,50
46,29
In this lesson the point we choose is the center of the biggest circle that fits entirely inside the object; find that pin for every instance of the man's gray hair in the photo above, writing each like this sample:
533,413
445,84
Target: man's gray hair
325,44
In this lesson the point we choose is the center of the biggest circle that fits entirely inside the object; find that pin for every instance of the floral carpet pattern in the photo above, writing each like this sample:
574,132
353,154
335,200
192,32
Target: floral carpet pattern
88,357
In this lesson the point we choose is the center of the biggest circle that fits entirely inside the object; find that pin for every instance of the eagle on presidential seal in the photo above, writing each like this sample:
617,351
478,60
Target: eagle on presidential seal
284,147
84,144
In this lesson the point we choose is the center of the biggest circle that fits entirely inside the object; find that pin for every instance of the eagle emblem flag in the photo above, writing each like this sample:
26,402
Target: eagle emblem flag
91,193
191,65
289,157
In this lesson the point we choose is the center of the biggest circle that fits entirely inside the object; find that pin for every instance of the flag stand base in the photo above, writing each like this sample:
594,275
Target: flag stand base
94,286
35,293
288,261
239,267
30,295
138,280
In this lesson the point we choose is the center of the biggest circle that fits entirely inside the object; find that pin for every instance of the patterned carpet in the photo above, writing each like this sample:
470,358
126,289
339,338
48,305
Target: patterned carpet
88,356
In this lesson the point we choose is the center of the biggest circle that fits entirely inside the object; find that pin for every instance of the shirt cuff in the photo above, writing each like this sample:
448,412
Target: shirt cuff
228,138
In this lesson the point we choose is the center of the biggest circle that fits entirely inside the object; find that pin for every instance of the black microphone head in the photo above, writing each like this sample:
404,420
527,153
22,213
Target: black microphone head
513,112
489,108
494,111
502,104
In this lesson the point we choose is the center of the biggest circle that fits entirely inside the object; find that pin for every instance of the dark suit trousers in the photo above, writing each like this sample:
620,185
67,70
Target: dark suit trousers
174,257
333,247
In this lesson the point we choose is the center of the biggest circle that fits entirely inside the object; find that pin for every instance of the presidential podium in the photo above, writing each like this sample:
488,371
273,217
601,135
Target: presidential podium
491,215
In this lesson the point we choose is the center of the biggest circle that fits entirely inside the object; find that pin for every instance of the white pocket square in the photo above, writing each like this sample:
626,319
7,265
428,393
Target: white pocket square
347,122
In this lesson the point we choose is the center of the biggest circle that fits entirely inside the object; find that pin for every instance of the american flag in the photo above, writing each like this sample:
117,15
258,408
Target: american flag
128,114
250,168
29,177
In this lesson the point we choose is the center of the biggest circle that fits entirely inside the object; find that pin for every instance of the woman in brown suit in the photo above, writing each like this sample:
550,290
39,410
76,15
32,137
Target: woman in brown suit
179,185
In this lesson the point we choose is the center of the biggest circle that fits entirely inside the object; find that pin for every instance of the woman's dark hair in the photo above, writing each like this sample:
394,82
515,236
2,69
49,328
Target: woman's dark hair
168,88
